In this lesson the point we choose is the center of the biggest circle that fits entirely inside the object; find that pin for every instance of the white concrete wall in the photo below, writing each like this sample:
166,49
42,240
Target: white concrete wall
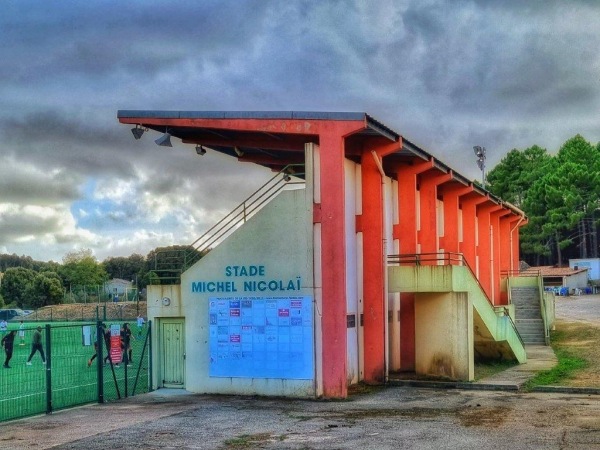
277,238
393,300
352,188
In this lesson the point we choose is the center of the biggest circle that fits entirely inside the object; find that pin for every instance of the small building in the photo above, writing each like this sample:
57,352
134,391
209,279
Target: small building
562,277
119,288
593,266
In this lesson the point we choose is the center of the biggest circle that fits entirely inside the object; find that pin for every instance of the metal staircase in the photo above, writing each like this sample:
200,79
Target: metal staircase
171,263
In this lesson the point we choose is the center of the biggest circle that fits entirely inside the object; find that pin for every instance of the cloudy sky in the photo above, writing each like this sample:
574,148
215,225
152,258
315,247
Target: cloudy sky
446,74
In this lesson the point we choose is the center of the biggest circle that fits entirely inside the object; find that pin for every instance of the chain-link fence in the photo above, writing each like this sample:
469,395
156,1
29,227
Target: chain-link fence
90,312
62,371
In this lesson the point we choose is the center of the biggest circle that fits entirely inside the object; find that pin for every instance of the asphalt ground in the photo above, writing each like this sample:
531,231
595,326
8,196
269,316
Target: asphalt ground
387,418
392,417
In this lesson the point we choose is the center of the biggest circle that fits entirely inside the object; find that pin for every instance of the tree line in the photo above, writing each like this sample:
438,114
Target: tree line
560,194
26,283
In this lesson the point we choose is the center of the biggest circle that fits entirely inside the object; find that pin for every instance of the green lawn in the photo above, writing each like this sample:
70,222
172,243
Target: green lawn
23,387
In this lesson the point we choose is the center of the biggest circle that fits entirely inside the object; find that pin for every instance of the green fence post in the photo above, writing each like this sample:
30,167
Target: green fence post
151,386
100,360
48,370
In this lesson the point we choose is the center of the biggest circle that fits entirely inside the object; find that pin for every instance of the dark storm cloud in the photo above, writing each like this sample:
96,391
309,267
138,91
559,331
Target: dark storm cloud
447,75
94,39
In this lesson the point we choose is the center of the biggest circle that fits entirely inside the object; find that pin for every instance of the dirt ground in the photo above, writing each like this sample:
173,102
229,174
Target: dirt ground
578,324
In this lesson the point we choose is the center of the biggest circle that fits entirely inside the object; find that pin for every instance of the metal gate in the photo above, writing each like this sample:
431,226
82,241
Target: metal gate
172,353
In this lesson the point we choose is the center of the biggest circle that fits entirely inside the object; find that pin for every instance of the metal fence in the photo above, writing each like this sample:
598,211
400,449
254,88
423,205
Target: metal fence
64,375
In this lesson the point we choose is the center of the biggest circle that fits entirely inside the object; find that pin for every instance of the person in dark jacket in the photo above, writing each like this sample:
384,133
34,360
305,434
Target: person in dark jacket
126,337
7,342
36,346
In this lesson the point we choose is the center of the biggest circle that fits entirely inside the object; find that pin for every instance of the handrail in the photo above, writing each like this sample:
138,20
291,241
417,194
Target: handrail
448,259
230,222
445,258
521,273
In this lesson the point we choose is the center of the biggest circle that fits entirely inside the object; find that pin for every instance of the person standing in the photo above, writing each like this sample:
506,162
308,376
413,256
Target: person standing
22,332
106,335
126,344
140,324
8,342
3,326
36,345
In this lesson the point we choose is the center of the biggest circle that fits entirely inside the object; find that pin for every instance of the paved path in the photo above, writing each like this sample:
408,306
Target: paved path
579,308
386,418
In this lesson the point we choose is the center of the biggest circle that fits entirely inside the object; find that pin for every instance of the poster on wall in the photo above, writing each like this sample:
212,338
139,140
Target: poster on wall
261,337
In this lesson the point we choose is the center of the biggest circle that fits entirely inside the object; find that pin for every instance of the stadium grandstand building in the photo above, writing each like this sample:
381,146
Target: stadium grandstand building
364,257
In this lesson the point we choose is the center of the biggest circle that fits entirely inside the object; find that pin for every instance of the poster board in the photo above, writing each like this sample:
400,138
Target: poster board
261,337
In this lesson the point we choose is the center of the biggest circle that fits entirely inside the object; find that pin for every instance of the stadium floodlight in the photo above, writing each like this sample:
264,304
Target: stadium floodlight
481,155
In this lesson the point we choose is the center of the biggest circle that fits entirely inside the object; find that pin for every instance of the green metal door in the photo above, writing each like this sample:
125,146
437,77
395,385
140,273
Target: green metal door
172,353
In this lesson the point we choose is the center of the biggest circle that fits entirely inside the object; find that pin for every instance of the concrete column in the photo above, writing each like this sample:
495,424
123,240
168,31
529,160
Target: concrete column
451,197
333,261
428,234
406,233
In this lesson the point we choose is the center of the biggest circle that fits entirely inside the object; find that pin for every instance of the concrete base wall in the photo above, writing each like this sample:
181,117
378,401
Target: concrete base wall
444,335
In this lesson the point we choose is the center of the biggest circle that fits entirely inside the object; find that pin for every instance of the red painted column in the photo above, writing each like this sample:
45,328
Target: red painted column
374,288
406,233
469,214
495,219
505,226
484,249
333,261
428,234
374,314
451,197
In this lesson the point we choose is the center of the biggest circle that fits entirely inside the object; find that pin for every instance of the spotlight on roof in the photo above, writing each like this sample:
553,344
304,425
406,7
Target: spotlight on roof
286,177
164,140
238,152
137,132
200,150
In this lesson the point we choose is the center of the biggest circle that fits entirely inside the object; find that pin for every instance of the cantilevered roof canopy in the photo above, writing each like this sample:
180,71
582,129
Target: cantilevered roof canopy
276,139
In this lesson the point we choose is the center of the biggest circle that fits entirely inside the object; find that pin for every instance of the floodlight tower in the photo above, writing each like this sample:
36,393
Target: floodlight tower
480,153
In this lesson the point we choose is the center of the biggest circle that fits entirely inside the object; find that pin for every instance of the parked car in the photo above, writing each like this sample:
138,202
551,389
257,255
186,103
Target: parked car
9,314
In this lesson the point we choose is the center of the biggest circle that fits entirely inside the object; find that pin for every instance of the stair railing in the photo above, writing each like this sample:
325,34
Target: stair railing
228,224
447,259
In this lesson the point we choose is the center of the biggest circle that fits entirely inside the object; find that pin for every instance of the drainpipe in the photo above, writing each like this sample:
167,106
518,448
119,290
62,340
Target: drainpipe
384,256
521,219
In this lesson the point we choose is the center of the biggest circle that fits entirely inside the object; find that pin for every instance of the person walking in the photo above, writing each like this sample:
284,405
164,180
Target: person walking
3,326
140,325
22,332
8,342
36,346
106,335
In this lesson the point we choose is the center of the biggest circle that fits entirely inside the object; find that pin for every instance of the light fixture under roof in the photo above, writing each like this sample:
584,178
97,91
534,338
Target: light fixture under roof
238,152
137,132
200,150
164,140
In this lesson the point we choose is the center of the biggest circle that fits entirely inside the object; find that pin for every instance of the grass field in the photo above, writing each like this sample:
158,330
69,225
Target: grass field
23,388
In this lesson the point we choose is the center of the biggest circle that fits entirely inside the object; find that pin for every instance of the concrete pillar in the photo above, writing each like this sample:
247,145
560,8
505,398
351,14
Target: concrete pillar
406,233
428,234
333,261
